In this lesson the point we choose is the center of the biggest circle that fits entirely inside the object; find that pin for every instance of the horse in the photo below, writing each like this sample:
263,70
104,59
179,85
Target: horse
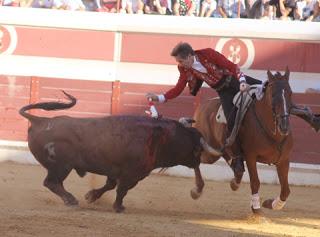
264,136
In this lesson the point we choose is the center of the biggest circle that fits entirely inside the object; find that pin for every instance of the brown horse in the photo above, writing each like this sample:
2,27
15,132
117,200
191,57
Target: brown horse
264,136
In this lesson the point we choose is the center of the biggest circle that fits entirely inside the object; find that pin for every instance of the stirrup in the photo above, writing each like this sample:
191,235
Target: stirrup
232,137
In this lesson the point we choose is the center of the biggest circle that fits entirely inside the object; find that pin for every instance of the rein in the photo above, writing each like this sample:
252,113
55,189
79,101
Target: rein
271,139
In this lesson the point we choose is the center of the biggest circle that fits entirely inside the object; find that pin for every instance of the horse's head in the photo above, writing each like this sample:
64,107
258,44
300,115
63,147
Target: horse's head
279,95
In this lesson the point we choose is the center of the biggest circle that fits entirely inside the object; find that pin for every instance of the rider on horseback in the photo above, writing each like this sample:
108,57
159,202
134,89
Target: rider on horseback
197,66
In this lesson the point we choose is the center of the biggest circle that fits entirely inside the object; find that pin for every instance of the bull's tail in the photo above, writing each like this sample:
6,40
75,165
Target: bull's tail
48,106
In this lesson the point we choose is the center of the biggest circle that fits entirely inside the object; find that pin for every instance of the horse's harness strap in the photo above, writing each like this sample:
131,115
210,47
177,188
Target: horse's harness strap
267,135
279,147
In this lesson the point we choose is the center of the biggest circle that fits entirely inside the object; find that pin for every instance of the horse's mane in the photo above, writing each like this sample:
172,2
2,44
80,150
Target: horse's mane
265,85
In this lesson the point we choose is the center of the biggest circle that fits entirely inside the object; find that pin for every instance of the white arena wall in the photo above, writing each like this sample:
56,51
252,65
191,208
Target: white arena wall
150,73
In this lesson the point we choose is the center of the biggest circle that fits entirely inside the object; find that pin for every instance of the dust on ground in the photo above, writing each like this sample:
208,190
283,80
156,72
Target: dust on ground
158,206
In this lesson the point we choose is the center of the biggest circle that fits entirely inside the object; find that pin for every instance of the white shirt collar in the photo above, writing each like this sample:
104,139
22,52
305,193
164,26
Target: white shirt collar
198,66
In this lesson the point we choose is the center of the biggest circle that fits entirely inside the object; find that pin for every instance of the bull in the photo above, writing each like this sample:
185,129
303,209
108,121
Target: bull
123,148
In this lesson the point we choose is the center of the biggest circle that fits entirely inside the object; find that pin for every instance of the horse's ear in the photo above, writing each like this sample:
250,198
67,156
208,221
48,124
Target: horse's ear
270,76
287,73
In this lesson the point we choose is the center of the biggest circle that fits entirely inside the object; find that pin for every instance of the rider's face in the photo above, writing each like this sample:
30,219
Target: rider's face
185,62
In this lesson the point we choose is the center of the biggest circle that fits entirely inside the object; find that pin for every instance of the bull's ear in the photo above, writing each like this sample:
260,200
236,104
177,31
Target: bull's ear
287,73
270,76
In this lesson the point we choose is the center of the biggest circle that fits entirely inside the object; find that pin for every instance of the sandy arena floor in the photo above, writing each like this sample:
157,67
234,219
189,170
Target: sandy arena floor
158,206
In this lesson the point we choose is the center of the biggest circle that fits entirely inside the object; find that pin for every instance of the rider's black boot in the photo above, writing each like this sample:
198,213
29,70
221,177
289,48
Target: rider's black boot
237,165
236,161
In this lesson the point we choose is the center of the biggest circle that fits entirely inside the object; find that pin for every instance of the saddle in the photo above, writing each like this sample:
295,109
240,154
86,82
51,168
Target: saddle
242,100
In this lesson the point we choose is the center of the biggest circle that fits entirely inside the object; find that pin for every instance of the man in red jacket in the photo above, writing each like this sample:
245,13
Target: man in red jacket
218,72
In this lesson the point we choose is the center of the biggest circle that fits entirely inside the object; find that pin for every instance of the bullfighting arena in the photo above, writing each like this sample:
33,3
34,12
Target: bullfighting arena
159,205
109,62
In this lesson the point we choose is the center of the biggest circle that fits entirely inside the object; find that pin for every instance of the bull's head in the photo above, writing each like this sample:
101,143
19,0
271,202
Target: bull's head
210,149
187,122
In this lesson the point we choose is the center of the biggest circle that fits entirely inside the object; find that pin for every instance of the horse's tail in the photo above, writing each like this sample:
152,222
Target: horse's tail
47,106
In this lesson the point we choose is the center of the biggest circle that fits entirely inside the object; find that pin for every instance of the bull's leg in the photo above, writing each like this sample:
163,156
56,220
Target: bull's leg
197,191
54,182
122,189
95,194
254,184
279,202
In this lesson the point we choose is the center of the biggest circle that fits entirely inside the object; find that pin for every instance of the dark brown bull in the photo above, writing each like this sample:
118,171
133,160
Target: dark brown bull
123,148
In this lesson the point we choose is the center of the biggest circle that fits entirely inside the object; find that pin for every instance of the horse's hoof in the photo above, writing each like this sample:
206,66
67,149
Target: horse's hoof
234,185
195,194
268,203
91,196
118,208
257,211
258,219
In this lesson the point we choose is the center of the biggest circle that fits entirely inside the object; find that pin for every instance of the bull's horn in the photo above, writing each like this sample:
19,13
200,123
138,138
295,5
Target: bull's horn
209,149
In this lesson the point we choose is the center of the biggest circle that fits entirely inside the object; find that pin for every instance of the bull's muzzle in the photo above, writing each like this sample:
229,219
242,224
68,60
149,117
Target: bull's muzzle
209,149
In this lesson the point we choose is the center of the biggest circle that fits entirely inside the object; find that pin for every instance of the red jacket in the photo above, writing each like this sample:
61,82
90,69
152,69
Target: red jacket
216,64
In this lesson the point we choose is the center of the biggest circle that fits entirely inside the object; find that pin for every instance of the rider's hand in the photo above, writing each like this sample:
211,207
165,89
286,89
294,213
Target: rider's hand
244,86
152,97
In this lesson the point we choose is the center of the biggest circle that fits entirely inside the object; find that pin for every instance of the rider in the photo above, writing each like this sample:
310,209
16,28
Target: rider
197,66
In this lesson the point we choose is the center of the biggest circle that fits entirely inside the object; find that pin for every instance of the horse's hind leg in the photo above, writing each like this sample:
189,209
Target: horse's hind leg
236,181
54,182
279,202
234,157
95,194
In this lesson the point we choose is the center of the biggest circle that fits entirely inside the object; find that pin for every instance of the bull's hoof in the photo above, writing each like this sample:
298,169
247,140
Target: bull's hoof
91,196
195,194
234,185
268,203
71,202
118,208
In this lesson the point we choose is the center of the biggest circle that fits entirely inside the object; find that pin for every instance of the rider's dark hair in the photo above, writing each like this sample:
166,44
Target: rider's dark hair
182,50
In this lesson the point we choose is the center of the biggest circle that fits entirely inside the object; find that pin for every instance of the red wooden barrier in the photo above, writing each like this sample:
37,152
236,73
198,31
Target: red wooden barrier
96,98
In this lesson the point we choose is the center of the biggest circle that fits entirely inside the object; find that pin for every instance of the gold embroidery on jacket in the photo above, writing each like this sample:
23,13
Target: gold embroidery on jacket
213,75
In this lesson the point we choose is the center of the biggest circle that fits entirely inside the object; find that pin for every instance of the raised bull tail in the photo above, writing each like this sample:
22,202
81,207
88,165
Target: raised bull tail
48,106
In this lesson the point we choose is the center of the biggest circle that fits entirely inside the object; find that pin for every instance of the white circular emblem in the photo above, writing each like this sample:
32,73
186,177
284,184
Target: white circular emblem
8,39
238,51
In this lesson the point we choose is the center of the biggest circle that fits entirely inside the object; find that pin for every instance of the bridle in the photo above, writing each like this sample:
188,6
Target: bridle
275,117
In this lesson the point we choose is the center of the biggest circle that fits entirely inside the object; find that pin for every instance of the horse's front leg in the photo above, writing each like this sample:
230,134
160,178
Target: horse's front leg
254,184
197,191
279,202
